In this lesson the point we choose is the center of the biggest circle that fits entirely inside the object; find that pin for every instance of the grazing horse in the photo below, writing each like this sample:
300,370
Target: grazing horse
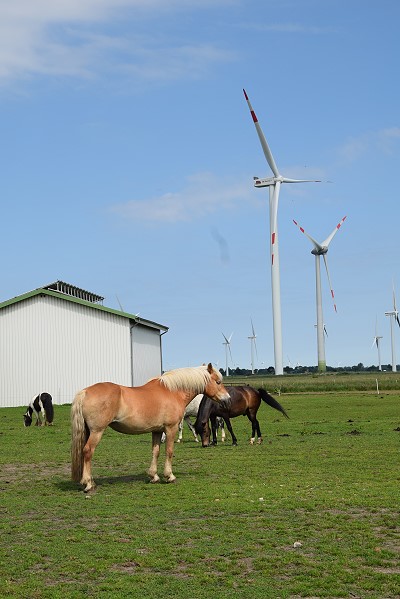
42,406
243,401
156,407
191,410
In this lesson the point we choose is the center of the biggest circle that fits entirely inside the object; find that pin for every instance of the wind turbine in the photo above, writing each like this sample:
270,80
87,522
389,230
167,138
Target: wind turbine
274,184
321,249
394,316
376,342
227,344
253,346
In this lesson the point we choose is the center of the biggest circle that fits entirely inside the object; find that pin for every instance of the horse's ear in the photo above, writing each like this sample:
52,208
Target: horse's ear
210,368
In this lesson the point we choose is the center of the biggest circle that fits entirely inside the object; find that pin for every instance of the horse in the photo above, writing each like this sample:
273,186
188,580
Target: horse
243,401
42,406
156,407
191,410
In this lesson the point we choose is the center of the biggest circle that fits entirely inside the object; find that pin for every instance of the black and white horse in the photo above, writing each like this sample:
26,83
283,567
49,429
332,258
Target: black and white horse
42,406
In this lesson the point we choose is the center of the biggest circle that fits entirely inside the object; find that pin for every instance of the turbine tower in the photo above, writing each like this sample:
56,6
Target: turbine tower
376,342
321,249
394,316
227,344
253,346
274,184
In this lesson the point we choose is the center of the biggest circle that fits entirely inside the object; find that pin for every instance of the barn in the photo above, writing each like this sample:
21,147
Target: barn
60,338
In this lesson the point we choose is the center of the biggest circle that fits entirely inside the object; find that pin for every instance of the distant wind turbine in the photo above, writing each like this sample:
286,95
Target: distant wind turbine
376,342
274,184
394,317
227,344
321,249
253,346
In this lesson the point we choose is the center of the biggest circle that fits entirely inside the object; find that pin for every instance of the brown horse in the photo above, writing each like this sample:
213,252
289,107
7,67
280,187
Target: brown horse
243,401
155,407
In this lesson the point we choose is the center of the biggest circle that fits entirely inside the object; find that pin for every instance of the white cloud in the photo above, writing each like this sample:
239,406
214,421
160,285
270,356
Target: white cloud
70,37
203,194
356,147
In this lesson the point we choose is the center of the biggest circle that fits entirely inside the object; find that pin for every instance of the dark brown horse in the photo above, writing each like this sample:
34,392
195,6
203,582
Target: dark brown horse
243,401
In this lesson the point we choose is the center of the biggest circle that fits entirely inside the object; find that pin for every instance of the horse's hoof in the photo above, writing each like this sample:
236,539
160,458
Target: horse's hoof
259,441
252,441
171,479
155,479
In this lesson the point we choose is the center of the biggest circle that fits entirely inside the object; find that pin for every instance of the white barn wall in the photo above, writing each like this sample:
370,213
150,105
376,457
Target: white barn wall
146,351
49,344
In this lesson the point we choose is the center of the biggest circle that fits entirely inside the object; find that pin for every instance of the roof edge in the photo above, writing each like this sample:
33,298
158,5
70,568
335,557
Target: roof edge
75,300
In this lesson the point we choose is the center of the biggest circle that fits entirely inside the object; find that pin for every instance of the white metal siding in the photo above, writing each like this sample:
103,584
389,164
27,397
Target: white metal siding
146,354
49,344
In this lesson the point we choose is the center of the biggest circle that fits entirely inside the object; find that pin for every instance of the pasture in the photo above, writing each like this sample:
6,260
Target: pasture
312,512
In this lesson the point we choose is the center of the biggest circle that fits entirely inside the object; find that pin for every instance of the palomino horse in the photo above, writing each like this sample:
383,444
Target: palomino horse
156,407
42,406
191,410
242,401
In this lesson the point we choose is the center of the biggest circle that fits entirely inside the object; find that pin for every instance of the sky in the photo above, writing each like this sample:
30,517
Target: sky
128,155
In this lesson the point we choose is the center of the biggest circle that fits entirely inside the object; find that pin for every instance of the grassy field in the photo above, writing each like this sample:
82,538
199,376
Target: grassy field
312,512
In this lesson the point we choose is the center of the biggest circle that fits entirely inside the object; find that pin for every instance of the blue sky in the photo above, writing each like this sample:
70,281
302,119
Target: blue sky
128,155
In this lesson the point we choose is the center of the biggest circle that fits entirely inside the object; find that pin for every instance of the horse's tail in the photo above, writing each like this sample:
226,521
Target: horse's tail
47,403
271,401
79,436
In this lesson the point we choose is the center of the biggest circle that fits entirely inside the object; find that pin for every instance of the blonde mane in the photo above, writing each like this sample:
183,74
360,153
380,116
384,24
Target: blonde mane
194,379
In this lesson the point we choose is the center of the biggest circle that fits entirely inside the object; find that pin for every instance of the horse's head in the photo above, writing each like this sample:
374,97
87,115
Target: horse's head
215,389
27,419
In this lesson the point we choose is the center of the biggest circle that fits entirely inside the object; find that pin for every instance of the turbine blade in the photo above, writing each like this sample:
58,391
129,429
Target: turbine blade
252,328
255,347
329,281
230,353
317,245
264,144
226,340
332,235
286,180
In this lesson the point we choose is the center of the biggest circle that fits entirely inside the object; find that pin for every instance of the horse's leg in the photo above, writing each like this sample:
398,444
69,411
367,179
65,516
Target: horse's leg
180,429
255,428
222,431
230,429
169,454
260,439
88,451
152,471
213,420
191,428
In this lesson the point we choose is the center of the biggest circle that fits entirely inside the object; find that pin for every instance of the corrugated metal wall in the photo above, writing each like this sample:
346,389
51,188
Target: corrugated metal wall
146,354
49,344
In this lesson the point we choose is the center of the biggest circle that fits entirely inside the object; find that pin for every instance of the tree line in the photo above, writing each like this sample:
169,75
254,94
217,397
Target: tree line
305,369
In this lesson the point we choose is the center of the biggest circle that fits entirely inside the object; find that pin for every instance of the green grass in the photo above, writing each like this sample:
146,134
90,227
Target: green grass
328,478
